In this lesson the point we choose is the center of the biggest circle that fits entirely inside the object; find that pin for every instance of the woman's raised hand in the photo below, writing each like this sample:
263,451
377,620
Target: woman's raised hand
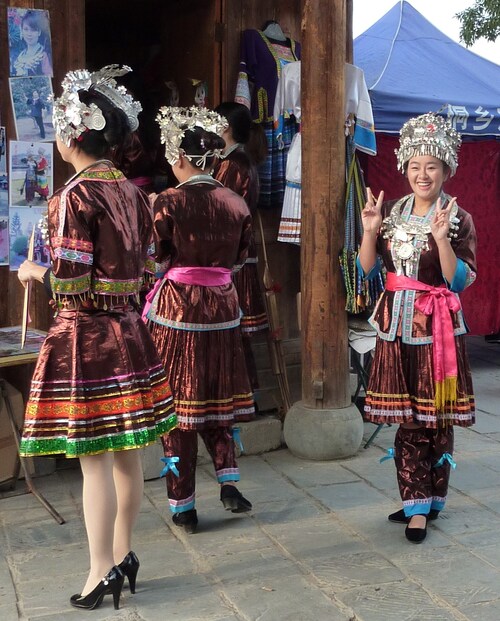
440,223
371,216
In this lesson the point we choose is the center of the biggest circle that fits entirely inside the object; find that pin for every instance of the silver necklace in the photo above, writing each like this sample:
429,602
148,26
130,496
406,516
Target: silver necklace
410,238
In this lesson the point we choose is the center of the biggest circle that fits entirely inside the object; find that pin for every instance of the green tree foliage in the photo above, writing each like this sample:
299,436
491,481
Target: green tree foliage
480,21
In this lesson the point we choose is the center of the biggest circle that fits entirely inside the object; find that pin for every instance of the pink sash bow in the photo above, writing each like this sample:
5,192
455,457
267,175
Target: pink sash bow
436,302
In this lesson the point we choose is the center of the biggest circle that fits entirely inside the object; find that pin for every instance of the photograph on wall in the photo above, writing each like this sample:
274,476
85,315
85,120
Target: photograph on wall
32,107
4,195
30,48
3,150
4,240
22,221
30,173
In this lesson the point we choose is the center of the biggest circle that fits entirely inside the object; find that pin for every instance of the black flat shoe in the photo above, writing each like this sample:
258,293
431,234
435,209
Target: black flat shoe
399,517
130,566
233,500
111,583
188,520
416,535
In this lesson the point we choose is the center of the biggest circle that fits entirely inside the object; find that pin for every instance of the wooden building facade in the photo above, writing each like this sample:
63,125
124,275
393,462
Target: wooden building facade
200,39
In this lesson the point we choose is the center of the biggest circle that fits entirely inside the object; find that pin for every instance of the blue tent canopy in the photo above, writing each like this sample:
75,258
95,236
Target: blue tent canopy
412,68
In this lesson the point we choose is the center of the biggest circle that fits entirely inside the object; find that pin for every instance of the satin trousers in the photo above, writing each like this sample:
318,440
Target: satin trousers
423,484
184,444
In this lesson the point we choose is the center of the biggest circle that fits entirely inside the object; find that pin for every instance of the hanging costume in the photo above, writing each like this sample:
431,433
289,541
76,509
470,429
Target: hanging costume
262,61
287,103
237,173
201,231
98,385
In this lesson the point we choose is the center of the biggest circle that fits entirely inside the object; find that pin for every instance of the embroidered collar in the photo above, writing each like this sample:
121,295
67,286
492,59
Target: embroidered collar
231,149
195,179
109,173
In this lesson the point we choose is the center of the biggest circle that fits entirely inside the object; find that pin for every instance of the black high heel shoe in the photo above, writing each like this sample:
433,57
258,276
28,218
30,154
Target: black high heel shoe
111,583
130,566
233,500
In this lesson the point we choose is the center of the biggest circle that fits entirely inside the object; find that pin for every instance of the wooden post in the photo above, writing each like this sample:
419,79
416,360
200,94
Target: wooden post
349,52
324,323
325,424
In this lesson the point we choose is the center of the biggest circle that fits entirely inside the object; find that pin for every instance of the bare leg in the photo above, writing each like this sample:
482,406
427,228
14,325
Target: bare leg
129,484
99,509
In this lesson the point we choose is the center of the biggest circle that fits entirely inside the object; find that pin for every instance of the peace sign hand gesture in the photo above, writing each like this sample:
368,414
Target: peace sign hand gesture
440,224
371,216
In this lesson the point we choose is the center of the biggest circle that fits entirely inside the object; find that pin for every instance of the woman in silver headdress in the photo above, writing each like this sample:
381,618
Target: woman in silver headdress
99,390
420,376
202,229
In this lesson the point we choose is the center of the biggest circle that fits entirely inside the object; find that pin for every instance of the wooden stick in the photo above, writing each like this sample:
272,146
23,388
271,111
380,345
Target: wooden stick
27,292
27,477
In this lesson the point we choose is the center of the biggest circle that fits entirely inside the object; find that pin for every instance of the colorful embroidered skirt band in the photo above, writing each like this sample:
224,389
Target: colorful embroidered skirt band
98,386
401,387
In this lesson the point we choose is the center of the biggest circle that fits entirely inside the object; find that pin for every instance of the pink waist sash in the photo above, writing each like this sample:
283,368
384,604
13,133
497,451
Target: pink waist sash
436,302
141,181
202,276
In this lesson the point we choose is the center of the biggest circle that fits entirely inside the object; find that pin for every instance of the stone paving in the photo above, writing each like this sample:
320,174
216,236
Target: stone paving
317,545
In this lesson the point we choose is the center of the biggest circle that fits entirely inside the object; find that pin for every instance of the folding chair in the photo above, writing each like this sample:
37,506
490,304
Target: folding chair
361,338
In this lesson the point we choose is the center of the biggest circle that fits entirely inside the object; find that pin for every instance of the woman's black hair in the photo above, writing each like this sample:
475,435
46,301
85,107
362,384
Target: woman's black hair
31,18
239,118
198,141
99,143
244,130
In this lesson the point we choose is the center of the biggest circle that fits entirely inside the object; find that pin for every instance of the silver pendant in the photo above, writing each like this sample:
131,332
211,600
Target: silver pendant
404,251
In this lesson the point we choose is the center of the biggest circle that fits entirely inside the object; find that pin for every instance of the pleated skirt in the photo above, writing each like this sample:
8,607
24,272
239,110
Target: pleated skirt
272,171
208,375
98,386
401,386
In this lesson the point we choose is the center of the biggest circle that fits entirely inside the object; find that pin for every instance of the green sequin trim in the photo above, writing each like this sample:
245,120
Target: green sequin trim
70,286
116,287
126,441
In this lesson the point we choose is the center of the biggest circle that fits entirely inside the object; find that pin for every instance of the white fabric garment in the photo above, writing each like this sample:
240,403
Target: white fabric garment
287,102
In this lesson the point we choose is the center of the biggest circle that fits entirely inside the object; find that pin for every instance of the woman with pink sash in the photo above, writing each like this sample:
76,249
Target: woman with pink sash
420,376
202,229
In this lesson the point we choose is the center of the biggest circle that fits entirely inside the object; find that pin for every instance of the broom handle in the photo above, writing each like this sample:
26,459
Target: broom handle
264,248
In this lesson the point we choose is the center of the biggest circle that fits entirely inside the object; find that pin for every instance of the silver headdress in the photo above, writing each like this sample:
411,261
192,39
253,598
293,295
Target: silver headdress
429,134
175,122
71,117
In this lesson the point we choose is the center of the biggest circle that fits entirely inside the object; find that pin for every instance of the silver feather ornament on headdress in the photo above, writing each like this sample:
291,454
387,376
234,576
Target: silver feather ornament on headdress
175,122
71,117
429,134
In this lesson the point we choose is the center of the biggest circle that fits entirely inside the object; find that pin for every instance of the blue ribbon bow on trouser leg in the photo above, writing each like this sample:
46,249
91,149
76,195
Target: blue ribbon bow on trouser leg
445,457
170,465
236,432
390,455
